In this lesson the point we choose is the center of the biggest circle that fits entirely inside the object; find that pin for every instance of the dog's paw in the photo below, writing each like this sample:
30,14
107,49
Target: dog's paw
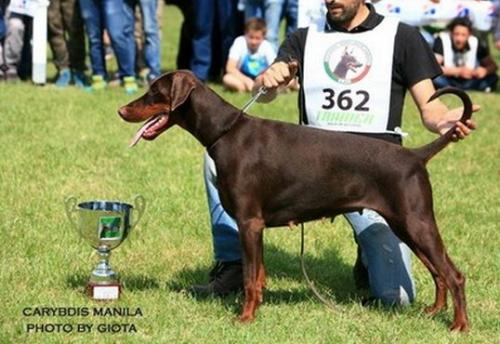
433,310
245,318
459,326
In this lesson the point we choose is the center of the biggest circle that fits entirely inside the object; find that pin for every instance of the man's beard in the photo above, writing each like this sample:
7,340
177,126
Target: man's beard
347,14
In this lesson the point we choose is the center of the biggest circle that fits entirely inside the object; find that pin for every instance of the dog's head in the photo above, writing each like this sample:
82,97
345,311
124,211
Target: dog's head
165,95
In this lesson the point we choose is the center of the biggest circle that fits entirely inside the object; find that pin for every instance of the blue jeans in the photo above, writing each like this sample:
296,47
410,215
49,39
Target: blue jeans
204,29
93,17
3,28
119,16
386,258
152,35
273,11
489,81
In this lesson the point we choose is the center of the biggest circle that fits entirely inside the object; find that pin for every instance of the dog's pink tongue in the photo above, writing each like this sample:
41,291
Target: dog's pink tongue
141,131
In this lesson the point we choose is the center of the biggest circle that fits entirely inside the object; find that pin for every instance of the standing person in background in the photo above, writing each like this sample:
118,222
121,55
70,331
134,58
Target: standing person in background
67,41
17,47
465,60
3,31
213,26
248,57
495,29
118,16
185,48
148,17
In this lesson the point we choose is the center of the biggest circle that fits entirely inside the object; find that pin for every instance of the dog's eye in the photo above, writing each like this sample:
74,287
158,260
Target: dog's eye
153,91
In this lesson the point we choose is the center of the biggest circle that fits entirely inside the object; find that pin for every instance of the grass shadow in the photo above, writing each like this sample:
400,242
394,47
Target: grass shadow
79,280
330,274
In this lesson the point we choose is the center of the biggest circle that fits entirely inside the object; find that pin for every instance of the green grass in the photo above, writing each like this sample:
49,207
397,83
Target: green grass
55,143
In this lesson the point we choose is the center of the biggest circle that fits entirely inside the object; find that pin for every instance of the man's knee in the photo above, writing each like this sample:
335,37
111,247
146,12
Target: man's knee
388,262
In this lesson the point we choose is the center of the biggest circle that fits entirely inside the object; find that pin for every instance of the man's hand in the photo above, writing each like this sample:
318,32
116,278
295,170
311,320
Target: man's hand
466,73
451,118
278,75
480,72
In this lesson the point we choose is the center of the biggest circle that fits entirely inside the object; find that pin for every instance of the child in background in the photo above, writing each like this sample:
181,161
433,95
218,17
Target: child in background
248,57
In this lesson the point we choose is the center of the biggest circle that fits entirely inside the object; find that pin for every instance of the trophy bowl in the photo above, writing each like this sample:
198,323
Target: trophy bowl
104,225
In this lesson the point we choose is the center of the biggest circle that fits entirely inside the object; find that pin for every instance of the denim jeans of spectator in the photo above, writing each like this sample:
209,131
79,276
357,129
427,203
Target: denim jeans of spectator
93,17
3,28
152,37
119,18
488,83
386,258
211,17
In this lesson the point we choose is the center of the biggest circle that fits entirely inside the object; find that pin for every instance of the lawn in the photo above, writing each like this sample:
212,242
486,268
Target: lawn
56,143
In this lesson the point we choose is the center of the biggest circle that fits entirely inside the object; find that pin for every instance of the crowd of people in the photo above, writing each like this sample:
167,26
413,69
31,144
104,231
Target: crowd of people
231,41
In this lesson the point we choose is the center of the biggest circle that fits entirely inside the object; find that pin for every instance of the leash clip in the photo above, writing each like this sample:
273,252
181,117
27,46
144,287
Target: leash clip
262,90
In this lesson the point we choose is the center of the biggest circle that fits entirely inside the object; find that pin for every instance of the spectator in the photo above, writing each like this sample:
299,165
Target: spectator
213,26
118,16
3,31
67,41
273,11
495,29
147,38
465,60
185,48
248,57
17,47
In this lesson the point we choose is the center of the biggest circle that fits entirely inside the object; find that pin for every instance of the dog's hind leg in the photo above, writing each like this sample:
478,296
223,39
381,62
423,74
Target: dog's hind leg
251,236
424,239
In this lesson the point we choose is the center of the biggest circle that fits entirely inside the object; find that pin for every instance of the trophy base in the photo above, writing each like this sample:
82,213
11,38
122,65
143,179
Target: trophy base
104,292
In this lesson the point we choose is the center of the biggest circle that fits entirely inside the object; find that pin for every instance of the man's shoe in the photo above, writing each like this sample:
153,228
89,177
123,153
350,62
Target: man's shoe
80,79
360,273
64,78
98,83
12,77
130,84
225,278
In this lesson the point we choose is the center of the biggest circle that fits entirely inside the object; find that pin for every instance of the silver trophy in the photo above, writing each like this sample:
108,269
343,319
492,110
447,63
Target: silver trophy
104,225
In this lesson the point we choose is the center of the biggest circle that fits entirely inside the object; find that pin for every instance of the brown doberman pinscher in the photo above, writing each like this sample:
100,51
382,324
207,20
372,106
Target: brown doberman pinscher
271,173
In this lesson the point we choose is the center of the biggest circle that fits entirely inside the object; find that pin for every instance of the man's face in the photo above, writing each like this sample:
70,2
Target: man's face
343,11
459,36
254,39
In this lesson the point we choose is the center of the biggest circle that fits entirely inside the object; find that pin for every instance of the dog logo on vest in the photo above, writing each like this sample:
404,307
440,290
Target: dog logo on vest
347,62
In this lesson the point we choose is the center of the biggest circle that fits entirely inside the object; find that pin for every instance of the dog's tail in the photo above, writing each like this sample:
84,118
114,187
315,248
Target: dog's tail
428,151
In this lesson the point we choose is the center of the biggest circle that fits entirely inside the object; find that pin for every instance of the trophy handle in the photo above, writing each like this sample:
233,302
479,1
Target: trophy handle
70,207
140,205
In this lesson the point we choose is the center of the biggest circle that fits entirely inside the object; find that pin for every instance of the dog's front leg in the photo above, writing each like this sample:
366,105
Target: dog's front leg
251,233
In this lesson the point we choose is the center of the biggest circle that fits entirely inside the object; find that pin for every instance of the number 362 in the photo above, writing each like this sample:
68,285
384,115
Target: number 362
345,100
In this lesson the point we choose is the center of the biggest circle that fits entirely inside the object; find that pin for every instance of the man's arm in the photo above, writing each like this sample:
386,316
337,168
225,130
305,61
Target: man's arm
436,116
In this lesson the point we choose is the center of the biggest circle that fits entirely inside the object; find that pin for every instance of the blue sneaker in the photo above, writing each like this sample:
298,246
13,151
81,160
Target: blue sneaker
80,79
64,78
130,85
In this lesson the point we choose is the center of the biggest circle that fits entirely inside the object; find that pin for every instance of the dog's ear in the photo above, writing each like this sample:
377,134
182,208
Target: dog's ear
179,87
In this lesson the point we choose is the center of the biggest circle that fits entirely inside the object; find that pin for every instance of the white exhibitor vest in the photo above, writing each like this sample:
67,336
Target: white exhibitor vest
470,60
347,78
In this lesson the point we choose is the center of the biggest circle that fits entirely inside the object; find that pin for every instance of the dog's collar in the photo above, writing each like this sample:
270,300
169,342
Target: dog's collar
226,130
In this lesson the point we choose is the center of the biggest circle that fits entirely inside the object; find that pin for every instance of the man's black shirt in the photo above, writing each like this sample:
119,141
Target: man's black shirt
413,61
